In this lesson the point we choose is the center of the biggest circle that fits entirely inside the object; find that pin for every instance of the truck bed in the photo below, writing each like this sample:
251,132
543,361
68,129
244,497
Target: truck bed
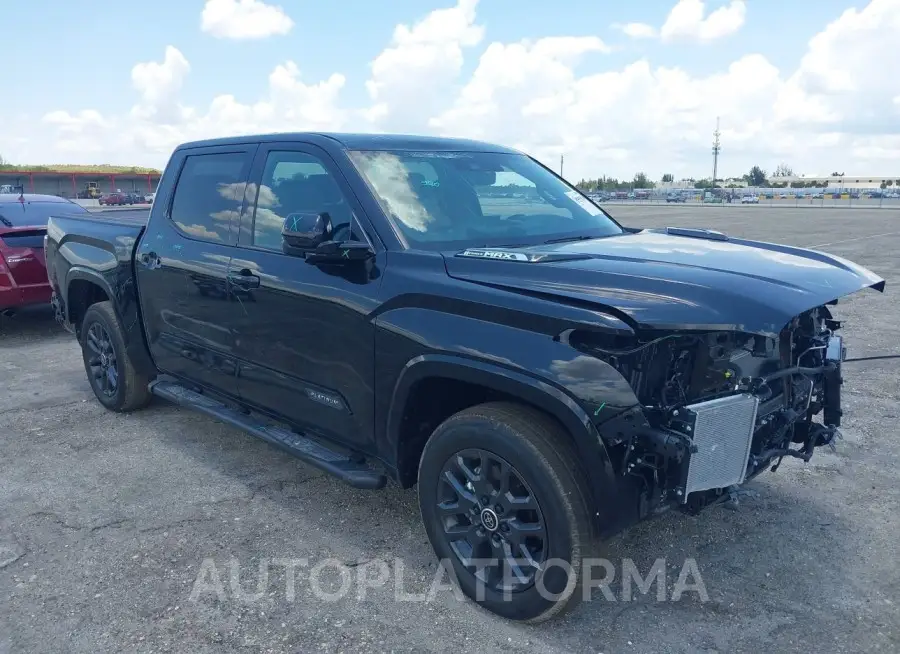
124,217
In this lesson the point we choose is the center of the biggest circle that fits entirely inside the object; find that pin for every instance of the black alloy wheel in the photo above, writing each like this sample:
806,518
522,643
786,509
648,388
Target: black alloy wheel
492,520
101,359
117,382
506,503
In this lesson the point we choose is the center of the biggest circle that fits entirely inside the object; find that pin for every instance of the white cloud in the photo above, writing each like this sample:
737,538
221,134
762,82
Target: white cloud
637,30
159,121
67,122
244,19
407,77
75,130
841,82
687,20
158,85
554,95
518,89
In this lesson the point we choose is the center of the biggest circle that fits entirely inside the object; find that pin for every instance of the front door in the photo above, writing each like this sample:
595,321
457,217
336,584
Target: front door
182,263
304,335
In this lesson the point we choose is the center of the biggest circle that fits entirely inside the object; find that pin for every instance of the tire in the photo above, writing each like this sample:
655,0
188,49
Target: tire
540,455
101,336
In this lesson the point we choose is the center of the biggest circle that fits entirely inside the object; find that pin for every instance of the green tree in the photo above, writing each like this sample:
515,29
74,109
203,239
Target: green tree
642,181
756,177
668,178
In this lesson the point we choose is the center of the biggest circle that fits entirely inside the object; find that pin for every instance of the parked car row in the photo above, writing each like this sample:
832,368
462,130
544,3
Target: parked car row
742,195
122,199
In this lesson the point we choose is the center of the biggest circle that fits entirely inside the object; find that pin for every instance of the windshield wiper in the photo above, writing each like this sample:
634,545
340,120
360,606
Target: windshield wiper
566,239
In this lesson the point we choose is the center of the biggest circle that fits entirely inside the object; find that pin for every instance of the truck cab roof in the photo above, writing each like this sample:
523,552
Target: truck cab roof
348,141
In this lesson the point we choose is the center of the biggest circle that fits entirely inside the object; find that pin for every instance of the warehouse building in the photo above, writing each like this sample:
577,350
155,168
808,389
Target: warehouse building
79,183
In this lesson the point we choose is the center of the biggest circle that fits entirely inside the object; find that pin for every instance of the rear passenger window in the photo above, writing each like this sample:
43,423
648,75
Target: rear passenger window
209,195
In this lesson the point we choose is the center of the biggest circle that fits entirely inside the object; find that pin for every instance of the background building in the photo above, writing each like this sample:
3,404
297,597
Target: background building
79,181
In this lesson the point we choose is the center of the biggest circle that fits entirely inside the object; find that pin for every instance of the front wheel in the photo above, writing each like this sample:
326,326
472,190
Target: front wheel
111,372
506,503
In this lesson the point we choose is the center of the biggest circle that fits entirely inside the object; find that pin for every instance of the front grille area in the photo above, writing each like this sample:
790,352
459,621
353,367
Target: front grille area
722,431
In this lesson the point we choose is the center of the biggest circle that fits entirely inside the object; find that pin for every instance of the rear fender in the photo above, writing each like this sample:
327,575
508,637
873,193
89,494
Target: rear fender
122,293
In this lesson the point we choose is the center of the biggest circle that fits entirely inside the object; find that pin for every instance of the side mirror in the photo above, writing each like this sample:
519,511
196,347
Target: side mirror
306,231
334,252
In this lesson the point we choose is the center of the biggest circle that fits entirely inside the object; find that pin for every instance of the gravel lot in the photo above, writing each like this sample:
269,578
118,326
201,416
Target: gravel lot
107,521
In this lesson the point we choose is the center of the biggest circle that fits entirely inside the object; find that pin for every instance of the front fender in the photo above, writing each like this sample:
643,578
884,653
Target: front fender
612,511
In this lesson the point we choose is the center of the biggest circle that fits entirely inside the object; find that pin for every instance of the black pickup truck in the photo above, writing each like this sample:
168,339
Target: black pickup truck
453,314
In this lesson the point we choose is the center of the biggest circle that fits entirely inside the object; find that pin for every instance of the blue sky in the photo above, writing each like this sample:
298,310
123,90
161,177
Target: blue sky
102,46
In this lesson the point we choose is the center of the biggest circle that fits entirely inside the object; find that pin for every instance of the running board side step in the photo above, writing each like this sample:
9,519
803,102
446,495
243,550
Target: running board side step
354,473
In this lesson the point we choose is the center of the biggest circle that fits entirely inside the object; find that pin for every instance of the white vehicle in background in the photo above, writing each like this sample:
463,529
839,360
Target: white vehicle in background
750,199
150,197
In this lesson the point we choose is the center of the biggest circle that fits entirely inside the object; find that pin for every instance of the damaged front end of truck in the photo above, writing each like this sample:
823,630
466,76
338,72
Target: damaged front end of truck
718,408
730,346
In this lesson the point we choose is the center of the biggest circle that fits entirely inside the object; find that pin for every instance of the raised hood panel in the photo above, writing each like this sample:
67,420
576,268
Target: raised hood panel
663,281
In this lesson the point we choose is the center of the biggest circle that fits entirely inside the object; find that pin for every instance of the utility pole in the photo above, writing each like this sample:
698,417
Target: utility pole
560,165
715,150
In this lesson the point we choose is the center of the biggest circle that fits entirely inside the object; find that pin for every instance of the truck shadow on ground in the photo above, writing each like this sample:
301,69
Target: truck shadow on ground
768,567
30,324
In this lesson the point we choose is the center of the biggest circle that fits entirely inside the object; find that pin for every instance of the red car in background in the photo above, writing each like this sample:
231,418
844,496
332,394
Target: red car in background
116,199
23,224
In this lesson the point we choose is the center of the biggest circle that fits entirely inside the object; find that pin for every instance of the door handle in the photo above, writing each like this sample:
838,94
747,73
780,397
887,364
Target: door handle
151,260
244,279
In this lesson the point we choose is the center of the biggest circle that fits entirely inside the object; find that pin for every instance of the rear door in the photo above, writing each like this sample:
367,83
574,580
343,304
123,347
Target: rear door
182,262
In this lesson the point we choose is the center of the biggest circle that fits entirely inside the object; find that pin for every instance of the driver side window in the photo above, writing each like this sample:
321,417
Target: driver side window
297,182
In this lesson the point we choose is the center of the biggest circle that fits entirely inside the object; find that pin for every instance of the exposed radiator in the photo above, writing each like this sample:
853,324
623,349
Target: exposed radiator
722,430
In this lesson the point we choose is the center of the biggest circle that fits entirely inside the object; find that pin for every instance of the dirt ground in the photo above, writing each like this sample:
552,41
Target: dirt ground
107,521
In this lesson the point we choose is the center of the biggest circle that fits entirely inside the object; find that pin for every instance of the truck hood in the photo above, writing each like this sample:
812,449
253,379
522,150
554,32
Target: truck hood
672,278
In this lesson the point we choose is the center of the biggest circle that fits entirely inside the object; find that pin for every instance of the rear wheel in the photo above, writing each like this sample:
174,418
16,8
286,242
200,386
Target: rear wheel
506,504
112,374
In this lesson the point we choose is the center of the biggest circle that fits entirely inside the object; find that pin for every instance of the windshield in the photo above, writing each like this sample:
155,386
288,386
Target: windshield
448,200
27,213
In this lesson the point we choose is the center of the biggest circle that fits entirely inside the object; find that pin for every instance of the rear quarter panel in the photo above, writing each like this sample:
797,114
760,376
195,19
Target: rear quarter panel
98,250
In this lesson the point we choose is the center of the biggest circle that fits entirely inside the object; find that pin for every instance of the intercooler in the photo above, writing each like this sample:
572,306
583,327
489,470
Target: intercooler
722,431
